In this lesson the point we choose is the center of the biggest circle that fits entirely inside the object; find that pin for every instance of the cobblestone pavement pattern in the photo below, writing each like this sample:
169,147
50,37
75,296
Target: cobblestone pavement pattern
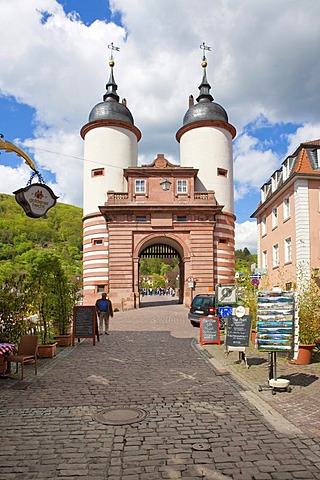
200,423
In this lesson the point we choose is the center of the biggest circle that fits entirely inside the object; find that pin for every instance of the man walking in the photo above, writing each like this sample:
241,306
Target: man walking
105,311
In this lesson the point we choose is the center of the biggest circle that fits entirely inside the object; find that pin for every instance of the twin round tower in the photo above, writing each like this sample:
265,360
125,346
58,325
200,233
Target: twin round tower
159,209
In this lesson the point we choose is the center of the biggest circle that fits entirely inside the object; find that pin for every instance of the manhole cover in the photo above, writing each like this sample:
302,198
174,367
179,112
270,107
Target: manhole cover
120,416
201,446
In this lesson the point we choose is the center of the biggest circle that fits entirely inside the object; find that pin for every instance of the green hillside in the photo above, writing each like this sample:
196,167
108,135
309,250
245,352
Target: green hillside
22,237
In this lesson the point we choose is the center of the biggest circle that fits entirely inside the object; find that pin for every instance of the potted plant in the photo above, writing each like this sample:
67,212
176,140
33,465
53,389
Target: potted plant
13,307
43,273
62,307
308,300
248,297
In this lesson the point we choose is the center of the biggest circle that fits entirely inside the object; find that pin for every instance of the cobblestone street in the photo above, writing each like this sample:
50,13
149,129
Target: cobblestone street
201,416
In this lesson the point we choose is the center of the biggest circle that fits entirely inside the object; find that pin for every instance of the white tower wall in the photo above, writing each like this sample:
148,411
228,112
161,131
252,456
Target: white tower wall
113,149
210,149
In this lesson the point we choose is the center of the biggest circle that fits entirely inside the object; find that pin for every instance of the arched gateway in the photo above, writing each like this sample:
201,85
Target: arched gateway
184,209
166,247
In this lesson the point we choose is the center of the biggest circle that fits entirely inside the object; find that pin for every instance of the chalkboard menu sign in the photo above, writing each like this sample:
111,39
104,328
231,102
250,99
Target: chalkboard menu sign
209,330
84,322
238,331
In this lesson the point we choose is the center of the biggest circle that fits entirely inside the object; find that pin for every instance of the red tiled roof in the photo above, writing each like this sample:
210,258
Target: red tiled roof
303,164
316,143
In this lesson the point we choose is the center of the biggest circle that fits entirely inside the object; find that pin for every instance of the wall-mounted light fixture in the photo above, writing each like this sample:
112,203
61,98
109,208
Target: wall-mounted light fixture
165,184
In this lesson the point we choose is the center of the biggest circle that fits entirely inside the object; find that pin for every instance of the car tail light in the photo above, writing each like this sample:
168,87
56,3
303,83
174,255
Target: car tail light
212,311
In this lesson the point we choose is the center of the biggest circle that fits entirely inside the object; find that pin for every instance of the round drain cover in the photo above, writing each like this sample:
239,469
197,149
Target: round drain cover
201,446
120,416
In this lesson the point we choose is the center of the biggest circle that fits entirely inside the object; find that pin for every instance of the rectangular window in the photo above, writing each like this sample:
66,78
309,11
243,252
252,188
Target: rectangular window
141,219
289,286
100,288
288,250
97,172
275,255
264,259
222,172
264,226
286,208
97,241
182,186
181,219
274,217
140,186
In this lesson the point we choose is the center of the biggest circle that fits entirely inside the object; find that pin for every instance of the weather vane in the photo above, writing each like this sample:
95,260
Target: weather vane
204,47
112,48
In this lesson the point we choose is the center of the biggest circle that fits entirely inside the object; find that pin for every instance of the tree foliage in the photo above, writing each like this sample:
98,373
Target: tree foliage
163,271
244,260
40,260
22,237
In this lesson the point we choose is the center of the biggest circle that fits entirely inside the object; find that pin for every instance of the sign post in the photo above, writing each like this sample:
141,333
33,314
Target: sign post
190,281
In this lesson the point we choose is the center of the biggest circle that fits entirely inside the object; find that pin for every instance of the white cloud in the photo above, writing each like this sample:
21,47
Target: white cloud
246,236
303,134
67,167
262,63
12,179
252,166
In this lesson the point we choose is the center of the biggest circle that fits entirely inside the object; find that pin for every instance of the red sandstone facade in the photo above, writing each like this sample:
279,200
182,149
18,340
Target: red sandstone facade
190,222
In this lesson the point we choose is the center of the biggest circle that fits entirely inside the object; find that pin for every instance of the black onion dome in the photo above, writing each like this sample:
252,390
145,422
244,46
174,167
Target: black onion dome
110,109
205,109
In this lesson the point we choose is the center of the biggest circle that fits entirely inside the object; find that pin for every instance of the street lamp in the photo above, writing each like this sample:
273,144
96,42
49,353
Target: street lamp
165,184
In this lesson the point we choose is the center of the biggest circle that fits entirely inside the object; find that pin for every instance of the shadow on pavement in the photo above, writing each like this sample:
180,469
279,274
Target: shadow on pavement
256,361
157,302
301,379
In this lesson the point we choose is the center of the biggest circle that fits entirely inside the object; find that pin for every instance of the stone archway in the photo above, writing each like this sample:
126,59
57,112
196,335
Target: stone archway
159,246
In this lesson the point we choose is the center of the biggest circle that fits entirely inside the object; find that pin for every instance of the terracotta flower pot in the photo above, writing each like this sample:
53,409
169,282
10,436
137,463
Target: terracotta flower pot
253,337
63,340
304,355
47,351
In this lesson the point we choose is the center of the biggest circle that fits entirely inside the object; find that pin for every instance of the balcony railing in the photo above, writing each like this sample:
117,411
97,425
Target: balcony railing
120,198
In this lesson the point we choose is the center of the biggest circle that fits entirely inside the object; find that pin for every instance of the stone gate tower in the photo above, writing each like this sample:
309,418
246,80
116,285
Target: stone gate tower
133,211
206,143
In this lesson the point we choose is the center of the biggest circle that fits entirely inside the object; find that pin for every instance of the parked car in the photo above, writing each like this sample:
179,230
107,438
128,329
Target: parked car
204,305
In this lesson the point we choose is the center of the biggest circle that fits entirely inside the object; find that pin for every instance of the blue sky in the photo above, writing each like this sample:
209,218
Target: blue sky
263,68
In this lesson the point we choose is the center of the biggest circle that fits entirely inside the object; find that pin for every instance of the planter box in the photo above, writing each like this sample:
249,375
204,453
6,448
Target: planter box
47,351
64,340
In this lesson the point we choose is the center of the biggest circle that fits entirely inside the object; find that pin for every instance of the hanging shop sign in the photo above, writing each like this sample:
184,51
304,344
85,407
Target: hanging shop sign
36,199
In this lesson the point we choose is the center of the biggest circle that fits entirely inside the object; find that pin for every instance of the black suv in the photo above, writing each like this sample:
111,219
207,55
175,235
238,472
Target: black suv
203,306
